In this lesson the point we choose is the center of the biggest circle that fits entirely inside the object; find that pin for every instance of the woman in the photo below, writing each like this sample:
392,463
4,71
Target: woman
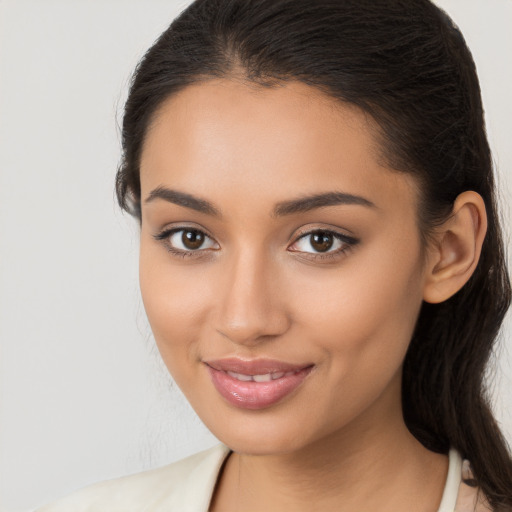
321,259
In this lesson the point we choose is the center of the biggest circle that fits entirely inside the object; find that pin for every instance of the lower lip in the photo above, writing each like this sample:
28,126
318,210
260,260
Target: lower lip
256,395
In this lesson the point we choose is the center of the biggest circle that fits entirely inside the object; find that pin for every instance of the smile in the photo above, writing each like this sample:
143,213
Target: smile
256,384
266,377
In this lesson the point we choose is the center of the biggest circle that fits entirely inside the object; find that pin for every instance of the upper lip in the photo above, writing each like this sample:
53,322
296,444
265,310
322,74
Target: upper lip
254,366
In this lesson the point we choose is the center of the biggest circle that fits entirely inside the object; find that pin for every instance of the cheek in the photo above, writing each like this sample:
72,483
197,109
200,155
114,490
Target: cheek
363,313
360,321
176,300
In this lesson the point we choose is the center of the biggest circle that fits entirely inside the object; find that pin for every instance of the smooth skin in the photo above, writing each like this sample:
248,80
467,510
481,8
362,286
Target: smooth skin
257,286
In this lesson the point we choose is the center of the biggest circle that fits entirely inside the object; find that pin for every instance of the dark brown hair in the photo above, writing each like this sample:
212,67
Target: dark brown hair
406,64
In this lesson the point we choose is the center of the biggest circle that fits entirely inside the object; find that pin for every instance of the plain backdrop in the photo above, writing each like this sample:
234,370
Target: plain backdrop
83,393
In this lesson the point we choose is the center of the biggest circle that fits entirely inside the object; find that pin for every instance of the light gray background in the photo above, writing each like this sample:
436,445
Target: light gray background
83,394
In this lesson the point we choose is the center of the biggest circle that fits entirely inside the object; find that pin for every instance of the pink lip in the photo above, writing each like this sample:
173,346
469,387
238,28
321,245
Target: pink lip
252,394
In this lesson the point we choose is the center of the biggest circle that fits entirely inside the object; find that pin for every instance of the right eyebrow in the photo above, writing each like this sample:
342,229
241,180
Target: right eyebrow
183,199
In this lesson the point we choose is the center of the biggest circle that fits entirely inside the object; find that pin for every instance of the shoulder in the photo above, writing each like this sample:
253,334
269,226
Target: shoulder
187,483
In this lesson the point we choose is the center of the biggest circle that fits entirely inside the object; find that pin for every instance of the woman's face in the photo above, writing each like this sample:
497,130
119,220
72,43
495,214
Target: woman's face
274,244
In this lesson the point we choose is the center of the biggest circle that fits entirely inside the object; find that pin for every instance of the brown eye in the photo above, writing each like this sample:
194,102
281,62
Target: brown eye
183,241
321,241
192,239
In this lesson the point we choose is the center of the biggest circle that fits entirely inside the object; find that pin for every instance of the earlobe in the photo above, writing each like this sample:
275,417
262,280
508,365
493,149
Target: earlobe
454,255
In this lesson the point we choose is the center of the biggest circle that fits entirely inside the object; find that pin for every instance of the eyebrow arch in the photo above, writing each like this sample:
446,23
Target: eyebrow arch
307,203
300,205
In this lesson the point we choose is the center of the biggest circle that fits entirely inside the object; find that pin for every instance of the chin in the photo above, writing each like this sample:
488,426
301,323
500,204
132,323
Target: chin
258,436
259,447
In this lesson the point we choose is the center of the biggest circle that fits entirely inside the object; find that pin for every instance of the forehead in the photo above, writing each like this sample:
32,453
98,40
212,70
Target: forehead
226,135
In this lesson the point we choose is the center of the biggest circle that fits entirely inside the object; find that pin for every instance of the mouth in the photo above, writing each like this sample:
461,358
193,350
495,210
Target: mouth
256,384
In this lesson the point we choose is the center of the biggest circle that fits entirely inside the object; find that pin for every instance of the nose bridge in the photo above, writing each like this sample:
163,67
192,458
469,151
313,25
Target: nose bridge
249,308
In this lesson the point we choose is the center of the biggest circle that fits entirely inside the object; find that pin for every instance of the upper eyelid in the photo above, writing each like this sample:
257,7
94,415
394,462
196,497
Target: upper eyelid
323,230
326,227
167,230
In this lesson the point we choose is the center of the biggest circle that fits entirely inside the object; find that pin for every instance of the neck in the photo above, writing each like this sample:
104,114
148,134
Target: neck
368,465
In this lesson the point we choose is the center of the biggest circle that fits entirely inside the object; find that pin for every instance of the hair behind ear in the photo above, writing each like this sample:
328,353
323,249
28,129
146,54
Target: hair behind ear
444,391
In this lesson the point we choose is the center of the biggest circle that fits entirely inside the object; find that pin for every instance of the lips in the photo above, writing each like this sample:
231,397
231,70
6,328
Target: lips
258,383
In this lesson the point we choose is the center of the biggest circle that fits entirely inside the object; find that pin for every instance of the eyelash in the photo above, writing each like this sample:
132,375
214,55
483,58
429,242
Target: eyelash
348,241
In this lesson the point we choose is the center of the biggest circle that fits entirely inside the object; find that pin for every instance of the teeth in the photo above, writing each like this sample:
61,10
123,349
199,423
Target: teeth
267,377
240,376
262,378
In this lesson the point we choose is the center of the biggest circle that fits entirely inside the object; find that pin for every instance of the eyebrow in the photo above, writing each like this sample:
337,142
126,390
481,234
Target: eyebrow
307,203
183,199
281,209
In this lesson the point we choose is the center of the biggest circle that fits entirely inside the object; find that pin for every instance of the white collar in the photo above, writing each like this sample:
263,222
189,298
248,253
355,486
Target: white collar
208,470
451,488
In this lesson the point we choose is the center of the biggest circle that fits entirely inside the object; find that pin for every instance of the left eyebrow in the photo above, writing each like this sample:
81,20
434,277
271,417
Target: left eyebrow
307,203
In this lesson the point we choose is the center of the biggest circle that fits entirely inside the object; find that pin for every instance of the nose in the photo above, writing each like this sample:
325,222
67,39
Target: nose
250,306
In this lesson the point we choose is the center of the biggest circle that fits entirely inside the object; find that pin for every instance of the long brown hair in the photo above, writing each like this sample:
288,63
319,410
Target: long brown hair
407,65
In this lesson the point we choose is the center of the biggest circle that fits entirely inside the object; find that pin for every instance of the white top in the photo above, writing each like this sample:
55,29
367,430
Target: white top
187,486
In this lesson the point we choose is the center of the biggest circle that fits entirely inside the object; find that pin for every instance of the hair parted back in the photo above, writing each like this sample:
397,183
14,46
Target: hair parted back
406,64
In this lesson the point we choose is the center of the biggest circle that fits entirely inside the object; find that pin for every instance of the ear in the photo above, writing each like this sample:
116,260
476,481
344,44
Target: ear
455,251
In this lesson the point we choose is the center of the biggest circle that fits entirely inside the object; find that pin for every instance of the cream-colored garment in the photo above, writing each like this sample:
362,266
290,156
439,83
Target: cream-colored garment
187,486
